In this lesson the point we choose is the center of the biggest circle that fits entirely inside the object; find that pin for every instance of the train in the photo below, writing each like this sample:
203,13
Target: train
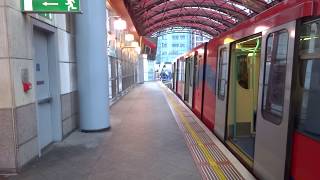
257,88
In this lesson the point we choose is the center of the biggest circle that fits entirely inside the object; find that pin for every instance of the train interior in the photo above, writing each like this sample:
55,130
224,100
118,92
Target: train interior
188,94
243,96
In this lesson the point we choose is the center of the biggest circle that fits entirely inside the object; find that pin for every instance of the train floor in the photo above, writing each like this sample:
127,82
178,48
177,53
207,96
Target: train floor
153,137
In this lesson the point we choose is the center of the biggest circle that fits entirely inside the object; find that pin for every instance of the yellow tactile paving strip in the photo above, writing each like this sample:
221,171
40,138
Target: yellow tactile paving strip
211,162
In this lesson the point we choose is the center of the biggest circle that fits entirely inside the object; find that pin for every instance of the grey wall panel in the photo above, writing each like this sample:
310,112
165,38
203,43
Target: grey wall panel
70,109
66,106
26,123
7,141
5,81
19,34
27,151
4,51
69,125
74,102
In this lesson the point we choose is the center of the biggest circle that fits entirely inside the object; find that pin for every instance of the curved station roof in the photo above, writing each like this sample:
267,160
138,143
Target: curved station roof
209,17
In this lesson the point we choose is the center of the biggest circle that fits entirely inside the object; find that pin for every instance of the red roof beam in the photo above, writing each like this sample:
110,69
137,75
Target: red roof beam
193,20
219,5
229,22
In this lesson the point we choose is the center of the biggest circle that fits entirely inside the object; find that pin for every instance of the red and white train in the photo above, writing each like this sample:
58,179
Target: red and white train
257,87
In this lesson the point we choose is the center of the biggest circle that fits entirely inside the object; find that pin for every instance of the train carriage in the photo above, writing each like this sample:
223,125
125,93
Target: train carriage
257,87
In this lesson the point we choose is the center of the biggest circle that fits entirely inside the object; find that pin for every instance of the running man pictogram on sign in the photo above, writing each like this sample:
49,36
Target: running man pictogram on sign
70,4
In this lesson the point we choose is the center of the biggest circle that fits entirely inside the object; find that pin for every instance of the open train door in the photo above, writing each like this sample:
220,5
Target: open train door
272,128
222,91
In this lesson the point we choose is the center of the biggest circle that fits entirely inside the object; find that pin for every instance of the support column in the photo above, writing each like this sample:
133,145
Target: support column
92,65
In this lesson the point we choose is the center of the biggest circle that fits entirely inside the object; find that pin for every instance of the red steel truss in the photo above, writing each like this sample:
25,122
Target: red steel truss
211,17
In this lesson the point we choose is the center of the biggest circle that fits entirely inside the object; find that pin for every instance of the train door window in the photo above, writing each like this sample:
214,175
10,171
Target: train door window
183,71
191,70
196,71
243,71
223,69
275,76
180,71
308,91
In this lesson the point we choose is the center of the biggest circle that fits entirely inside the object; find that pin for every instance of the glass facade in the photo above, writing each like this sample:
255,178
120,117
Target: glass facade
122,64
170,46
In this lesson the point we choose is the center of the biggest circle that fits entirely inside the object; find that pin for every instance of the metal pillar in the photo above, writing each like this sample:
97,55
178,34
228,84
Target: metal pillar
92,66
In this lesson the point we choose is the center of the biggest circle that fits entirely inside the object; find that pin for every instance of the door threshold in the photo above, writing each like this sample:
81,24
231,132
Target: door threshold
242,156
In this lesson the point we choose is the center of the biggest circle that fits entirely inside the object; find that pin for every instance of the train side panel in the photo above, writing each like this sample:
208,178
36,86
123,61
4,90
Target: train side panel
305,158
209,102
198,81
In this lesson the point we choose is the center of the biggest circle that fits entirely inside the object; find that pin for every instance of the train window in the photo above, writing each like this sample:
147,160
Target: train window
222,76
197,70
191,68
308,91
179,70
183,67
243,72
275,76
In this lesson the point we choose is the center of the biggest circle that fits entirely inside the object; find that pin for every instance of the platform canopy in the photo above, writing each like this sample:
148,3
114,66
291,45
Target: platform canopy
210,17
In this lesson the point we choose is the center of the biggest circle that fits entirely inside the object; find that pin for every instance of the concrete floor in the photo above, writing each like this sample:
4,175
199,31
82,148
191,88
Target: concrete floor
143,143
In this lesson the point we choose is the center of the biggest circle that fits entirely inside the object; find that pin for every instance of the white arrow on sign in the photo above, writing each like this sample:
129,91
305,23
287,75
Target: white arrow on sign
50,4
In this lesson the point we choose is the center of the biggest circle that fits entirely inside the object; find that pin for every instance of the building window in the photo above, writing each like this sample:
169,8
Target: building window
182,37
182,45
175,37
275,76
308,89
174,53
223,72
164,45
175,45
199,38
164,53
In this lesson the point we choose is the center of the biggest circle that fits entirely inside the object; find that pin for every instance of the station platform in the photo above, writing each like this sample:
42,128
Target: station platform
153,136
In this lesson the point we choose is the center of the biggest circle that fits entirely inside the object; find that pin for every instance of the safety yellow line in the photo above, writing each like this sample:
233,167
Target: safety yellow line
216,168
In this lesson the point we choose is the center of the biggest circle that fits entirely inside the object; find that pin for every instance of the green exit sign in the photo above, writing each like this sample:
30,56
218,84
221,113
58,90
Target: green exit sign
51,6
